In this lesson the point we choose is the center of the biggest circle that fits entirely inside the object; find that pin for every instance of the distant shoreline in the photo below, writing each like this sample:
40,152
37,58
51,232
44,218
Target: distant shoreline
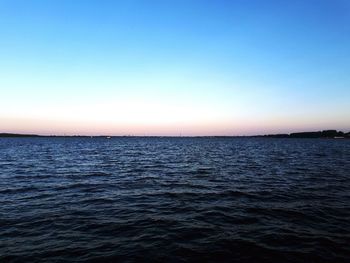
328,134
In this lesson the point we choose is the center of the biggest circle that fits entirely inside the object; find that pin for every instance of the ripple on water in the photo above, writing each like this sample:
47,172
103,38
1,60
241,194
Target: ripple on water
174,200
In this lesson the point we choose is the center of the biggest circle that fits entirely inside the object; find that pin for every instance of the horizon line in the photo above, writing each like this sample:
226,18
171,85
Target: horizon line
177,136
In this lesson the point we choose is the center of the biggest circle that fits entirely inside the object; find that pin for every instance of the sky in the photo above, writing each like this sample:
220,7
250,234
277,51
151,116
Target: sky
181,67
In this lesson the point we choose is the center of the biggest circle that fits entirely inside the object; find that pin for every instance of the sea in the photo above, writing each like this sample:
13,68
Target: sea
154,199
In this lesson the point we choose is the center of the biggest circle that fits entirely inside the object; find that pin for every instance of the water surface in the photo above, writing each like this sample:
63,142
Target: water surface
174,200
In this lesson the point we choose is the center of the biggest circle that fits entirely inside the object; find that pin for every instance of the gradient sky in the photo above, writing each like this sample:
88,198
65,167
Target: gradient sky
174,67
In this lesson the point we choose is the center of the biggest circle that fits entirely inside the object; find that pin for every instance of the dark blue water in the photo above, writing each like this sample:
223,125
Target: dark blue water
174,200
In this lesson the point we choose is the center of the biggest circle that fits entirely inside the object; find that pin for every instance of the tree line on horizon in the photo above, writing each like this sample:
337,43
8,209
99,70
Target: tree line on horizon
317,134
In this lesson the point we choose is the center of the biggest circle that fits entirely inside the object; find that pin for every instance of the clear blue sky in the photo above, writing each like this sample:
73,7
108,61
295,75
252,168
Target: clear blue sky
174,67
